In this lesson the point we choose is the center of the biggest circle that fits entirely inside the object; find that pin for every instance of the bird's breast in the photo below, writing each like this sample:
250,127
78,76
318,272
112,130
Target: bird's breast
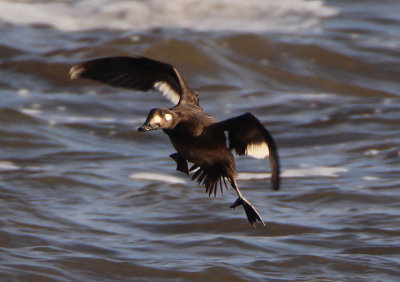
203,150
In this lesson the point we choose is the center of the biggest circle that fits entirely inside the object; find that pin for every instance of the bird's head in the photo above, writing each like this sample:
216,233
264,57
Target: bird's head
160,118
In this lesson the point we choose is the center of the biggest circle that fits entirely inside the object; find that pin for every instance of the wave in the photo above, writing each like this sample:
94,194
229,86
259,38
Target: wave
243,15
317,171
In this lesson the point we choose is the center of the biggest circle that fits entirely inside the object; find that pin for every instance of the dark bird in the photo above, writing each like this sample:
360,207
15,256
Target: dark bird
197,137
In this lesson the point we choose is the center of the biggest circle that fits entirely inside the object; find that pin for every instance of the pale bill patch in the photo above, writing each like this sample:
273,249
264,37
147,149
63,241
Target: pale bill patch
258,151
156,119
167,91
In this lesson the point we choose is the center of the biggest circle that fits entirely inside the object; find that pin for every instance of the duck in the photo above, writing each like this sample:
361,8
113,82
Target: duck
197,137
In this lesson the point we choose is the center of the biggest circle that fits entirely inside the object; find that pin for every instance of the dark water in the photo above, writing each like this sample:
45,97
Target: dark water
84,197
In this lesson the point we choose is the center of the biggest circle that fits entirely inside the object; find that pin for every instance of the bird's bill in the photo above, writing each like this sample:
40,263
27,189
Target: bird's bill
149,126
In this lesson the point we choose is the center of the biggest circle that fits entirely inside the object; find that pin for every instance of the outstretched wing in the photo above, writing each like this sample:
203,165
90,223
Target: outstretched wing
137,73
249,137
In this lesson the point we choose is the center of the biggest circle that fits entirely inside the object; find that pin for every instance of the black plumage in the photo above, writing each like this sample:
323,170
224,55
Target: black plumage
197,137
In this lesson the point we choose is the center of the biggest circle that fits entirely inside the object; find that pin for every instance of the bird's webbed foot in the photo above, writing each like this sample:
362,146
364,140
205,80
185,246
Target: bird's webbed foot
181,163
252,214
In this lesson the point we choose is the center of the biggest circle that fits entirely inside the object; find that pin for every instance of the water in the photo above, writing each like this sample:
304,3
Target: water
85,197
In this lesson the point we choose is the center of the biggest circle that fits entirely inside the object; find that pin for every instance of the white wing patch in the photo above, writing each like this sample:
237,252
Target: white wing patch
167,91
258,151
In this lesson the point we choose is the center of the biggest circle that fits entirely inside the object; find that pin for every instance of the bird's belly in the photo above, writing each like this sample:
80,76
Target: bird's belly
203,153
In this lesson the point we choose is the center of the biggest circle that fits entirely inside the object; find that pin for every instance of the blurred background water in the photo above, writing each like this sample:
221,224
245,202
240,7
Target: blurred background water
84,197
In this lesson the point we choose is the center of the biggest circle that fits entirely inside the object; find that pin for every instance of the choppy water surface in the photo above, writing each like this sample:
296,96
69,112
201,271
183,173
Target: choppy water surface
84,197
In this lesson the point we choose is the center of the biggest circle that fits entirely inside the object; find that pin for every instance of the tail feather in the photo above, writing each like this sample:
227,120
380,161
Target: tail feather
209,180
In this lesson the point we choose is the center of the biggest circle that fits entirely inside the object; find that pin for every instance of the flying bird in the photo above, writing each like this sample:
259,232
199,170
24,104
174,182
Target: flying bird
197,137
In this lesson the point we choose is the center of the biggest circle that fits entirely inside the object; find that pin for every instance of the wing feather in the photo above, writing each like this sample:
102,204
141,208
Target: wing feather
167,91
137,73
247,136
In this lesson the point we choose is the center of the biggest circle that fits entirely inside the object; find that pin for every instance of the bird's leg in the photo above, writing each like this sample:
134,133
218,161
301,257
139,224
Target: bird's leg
181,163
251,212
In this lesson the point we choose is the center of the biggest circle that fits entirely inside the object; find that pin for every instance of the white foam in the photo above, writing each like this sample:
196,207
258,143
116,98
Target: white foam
156,177
31,111
370,178
7,165
253,175
61,118
317,171
239,15
23,92
315,96
371,152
